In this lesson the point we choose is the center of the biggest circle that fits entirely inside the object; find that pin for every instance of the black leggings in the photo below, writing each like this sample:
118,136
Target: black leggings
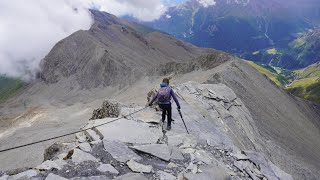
166,110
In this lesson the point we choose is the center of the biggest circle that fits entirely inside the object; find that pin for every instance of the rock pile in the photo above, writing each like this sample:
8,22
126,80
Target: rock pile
108,109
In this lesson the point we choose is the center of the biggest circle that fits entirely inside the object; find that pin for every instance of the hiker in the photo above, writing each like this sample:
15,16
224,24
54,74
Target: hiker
164,95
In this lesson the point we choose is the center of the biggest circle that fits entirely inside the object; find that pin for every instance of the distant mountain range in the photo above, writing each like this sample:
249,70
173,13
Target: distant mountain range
244,27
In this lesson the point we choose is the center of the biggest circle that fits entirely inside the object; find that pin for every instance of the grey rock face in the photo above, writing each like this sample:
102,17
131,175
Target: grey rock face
161,151
52,176
107,168
120,151
108,109
140,168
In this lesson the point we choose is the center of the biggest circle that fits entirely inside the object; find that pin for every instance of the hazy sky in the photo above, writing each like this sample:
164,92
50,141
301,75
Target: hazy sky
29,29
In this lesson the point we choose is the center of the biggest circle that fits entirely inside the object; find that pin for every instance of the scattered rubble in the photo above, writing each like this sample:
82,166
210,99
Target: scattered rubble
132,144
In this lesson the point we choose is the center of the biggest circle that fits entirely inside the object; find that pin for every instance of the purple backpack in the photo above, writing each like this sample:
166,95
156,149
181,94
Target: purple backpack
164,94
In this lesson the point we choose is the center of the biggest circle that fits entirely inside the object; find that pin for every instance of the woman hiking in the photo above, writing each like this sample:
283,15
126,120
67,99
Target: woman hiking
164,95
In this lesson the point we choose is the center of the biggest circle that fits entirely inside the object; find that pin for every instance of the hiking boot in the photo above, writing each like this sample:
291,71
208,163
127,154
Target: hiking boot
168,128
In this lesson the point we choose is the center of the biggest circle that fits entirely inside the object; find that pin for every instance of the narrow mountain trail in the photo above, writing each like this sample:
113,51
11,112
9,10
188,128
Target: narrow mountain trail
138,146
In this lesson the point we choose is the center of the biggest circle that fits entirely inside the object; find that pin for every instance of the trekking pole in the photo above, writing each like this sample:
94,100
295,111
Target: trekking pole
183,121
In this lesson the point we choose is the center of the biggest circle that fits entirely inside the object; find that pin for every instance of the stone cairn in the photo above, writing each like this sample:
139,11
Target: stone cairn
108,109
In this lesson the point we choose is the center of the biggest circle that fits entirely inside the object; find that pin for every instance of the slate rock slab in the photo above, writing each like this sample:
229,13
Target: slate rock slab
131,176
79,156
85,147
52,176
165,176
108,168
212,172
161,151
48,165
28,174
91,178
140,168
129,131
120,151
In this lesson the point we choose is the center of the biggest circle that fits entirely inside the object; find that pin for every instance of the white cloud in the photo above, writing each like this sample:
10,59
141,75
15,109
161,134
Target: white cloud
207,3
29,29
144,10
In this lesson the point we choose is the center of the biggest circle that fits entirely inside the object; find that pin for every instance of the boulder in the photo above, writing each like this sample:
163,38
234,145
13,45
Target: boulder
120,151
137,167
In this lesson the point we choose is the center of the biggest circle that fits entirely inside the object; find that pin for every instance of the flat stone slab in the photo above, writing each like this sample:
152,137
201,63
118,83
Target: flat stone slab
147,115
80,156
48,165
131,176
120,151
140,168
52,176
129,131
203,156
108,168
161,151
165,176
29,174
176,154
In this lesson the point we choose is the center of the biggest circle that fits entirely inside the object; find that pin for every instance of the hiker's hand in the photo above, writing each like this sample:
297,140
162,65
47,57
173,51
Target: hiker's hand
179,107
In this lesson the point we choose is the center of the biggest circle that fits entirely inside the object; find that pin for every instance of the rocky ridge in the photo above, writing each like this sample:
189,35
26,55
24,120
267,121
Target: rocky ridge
137,147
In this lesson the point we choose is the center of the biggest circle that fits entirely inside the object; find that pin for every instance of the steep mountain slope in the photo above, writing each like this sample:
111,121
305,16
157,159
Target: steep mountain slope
9,87
112,52
303,83
240,26
229,103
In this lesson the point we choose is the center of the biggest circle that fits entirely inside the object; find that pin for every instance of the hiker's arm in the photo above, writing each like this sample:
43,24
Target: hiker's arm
175,99
153,99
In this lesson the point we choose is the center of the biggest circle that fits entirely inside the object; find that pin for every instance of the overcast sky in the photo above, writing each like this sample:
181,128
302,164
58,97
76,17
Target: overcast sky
29,29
